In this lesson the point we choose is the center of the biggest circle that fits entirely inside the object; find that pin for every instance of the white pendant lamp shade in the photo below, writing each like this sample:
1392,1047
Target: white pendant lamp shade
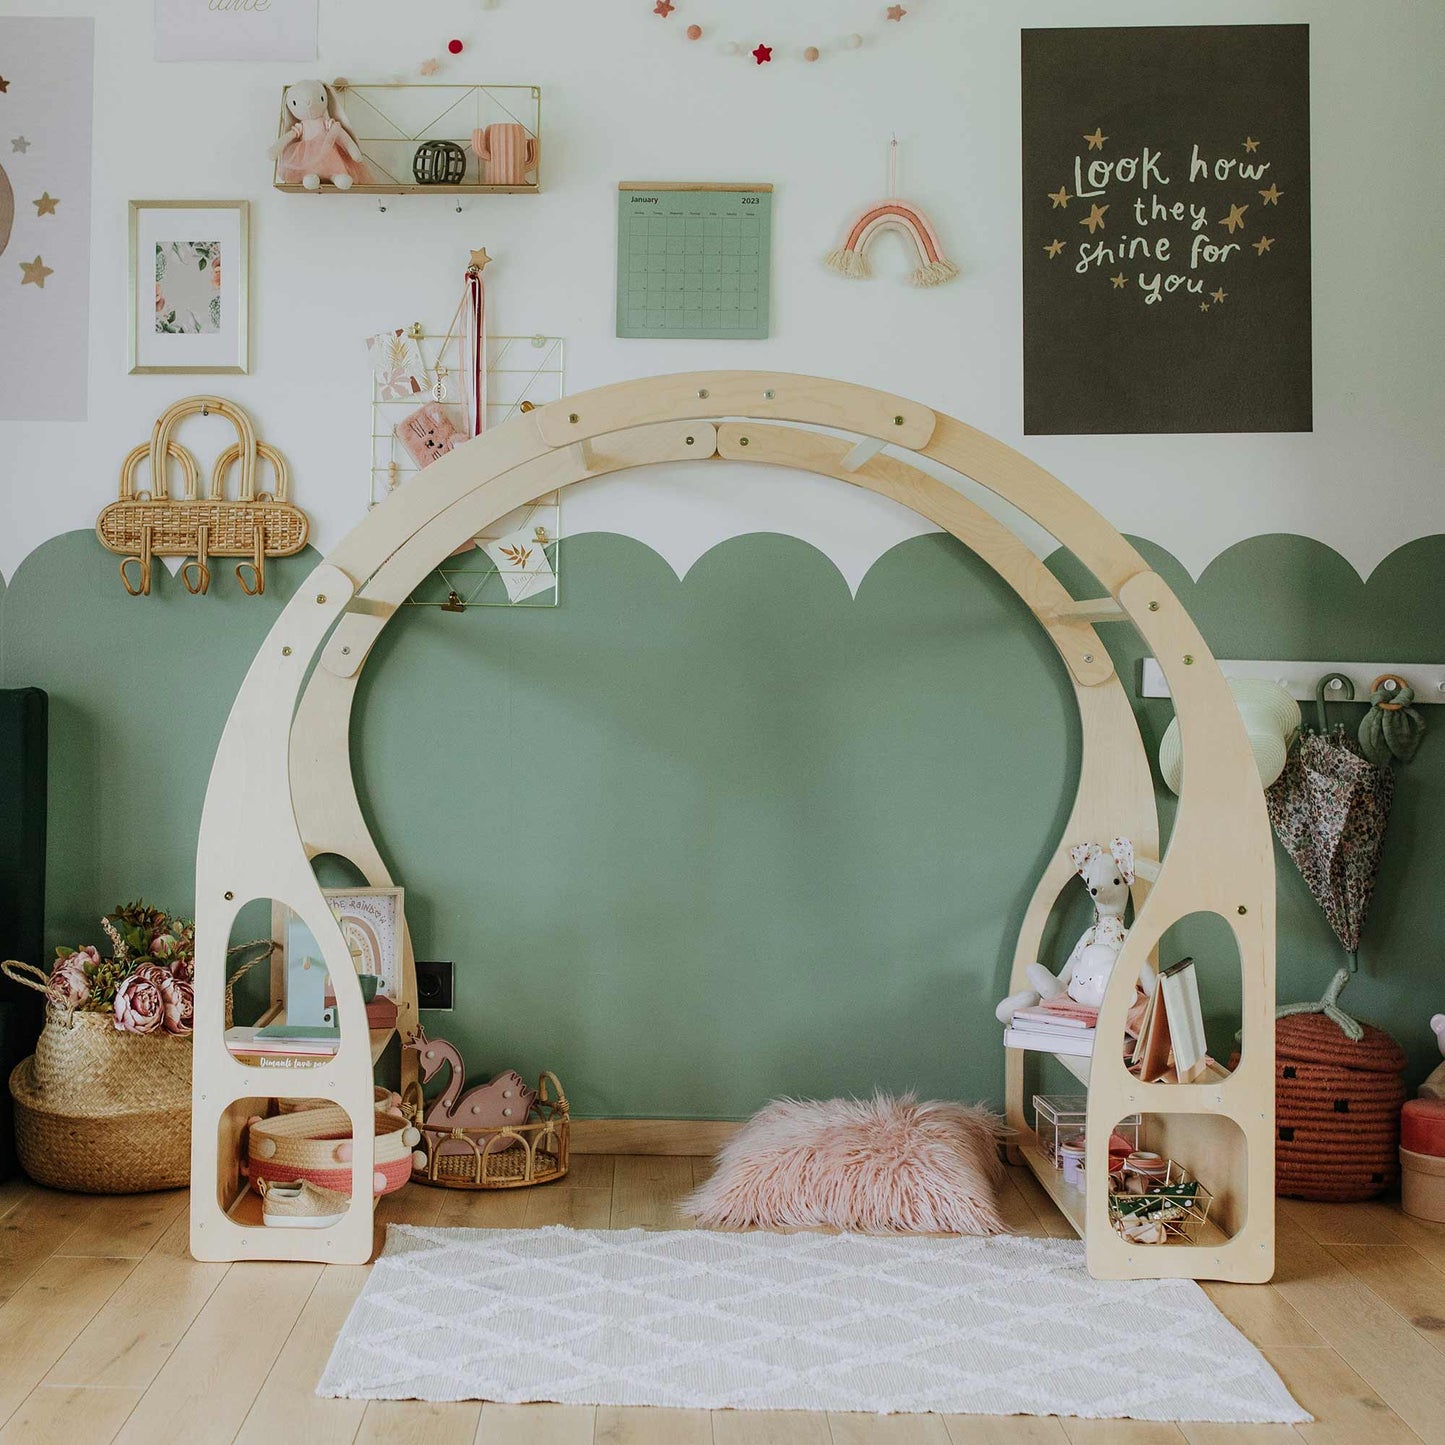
1271,719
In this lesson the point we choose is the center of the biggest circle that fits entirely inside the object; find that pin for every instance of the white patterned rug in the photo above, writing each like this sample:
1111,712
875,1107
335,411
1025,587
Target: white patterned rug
790,1322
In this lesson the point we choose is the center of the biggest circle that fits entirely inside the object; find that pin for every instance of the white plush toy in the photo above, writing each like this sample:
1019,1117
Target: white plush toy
1434,1086
1107,875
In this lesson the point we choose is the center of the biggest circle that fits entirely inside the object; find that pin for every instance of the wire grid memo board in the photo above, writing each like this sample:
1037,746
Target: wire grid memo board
519,369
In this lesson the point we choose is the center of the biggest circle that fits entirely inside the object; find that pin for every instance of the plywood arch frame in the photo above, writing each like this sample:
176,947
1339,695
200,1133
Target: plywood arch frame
281,790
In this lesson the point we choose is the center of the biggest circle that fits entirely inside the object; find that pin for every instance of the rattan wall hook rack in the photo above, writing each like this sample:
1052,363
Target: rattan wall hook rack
142,524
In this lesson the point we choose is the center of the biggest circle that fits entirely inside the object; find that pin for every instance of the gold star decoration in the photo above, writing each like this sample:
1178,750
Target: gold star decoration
479,261
1250,144
1234,221
33,273
46,205
4,85
1204,306
1263,244
1272,195
430,66
1095,219
1096,141
20,145
1060,197
896,12
1054,247
1218,296
1120,281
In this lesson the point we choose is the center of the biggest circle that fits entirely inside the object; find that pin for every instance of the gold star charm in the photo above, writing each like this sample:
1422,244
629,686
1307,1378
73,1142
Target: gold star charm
1204,306
33,273
1054,247
479,261
1272,195
1250,144
46,205
1234,221
1120,281
1263,244
1096,141
1095,219
896,12
1060,197
1218,296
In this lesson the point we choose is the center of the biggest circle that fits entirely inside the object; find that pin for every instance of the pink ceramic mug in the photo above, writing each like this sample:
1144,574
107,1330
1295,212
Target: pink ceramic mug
507,152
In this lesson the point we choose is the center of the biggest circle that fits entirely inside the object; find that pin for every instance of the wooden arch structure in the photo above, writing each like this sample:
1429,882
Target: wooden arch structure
281,791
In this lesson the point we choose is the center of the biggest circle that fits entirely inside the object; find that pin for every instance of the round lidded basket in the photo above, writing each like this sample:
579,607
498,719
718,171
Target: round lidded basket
1337,1108
512,1157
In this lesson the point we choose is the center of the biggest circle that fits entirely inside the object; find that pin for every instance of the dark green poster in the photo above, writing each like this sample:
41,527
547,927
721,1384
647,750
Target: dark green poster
1166,229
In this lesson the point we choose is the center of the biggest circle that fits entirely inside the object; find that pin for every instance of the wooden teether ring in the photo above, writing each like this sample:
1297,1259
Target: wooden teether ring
1399,682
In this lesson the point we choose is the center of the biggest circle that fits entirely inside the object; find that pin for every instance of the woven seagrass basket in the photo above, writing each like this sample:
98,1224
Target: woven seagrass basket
98,1110
1337,1107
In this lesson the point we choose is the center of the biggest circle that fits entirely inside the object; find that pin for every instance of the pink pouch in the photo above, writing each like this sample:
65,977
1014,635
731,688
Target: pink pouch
427,433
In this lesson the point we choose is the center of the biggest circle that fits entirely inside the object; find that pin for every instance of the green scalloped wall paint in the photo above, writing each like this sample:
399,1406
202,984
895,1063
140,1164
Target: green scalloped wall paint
695,843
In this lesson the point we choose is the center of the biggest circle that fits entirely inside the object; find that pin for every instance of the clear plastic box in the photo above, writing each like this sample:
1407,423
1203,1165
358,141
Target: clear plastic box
1061,1116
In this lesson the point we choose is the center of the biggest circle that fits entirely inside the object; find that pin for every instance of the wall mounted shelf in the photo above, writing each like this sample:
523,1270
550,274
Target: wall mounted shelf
390,121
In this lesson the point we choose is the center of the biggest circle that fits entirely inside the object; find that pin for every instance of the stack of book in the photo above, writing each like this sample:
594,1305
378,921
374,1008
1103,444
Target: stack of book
274,1049
1057,1025
1170,1038
380,1012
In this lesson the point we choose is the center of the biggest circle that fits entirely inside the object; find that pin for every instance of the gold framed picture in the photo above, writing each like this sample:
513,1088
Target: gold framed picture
189,287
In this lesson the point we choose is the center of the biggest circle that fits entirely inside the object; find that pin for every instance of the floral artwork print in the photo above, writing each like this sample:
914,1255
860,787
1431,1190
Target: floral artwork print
188,287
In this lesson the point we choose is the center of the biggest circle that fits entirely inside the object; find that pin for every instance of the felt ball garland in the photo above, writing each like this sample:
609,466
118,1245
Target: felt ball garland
763,52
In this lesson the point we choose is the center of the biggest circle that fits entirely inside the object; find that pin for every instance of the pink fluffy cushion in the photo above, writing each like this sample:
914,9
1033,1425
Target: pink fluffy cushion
878,1166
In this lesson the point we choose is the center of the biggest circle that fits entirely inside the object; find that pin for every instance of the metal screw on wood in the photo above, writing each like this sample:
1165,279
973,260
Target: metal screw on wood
1153,607
1088,657
897,421
229,897
346,652
769,395
285,652
703,394
572,417
1188,659
1243,909
742,441
321,597
689,441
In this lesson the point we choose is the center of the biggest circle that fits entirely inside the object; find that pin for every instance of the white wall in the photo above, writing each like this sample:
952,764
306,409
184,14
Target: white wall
626,97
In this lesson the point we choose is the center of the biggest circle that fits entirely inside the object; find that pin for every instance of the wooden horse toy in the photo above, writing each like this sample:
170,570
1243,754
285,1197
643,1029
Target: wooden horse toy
504,1100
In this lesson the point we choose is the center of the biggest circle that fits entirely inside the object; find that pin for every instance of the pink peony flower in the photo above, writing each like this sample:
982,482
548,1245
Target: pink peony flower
183,969
155,973
139,1007
163,945
178,1001
68,977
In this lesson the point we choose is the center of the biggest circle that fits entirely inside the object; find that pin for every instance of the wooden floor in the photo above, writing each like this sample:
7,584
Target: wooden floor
109,1330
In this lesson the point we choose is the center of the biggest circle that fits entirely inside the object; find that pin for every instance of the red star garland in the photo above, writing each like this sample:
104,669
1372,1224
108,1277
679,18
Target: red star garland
664,8
763,54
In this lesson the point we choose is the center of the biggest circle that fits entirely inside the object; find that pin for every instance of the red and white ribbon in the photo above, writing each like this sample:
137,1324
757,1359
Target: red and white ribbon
474,351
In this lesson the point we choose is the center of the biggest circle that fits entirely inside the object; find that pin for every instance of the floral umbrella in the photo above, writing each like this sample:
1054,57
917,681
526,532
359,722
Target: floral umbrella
1329,809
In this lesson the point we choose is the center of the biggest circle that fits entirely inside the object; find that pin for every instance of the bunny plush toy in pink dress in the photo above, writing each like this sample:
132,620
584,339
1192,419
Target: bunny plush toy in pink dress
319,146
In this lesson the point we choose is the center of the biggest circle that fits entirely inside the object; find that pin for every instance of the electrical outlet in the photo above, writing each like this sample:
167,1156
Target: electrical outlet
433,985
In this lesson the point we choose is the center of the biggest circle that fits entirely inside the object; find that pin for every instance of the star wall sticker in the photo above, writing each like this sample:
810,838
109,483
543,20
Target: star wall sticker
1054,247
763,53
1204,306
1095,219
1096,141
4,85
33,273
664,8
896,12
1234,221
46,205
1060,197
20,145
1250,144
1263,244
1272,195
1120,281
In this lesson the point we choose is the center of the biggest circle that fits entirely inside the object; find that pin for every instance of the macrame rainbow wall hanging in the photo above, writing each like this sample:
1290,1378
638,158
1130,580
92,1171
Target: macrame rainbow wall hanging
850,259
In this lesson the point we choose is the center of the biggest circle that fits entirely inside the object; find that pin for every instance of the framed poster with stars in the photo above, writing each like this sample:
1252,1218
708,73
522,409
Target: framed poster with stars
1166,229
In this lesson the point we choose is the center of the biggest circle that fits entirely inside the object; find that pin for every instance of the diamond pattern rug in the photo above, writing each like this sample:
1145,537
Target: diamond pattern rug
757,1321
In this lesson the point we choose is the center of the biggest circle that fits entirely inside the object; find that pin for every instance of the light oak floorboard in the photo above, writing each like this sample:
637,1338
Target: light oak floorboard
288,1406
31,1229
206,1388
645,1191
489,1209
45,1314
136,1330
769,1427
576,1208
12,1191
588,1171
1343,1224
1404,1279
125,1224
1346,1410
536,1424
626,1425
419,1422
1005,1430
69,1416
1122,1432
849,1428
1018,1214
1261,1313
1197,1433
1053,1224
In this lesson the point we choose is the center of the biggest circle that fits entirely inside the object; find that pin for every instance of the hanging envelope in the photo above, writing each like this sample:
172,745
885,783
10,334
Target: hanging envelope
522,564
